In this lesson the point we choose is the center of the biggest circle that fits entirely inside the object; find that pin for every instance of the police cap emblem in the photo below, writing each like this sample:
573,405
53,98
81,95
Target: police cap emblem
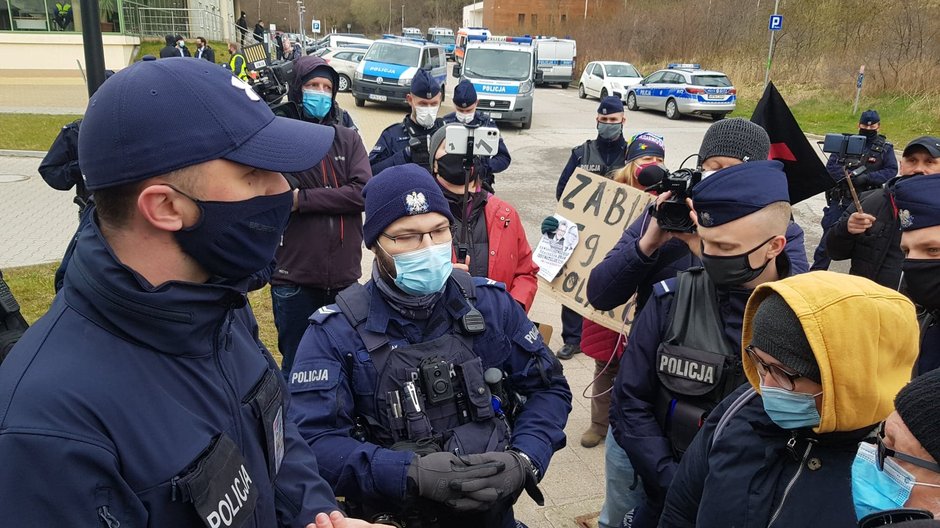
906,219
705,219
416,203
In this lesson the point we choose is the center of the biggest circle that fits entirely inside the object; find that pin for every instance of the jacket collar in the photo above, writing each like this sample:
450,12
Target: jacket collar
176,318
380,313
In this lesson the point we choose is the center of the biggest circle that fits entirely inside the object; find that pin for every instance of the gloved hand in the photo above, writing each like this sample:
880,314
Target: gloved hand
518,474
862,181
549,226
418,150
435,476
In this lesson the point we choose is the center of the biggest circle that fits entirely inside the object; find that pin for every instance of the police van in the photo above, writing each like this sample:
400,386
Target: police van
502,70
444,37
556,59
385,72
463,36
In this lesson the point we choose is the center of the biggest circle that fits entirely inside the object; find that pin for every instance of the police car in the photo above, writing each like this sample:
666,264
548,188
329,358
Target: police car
385,72
684,89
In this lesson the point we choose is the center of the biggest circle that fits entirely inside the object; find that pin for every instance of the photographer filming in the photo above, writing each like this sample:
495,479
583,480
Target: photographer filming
880,166
465,100
321,250
872,238
407,142
488,229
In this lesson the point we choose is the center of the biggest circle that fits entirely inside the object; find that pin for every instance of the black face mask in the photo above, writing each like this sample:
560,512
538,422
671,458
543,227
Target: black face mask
867,133
450,167
922,278
734,270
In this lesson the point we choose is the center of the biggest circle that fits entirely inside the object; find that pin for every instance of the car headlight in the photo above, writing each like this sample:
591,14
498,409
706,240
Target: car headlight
525,88
616,86
405,81
358,75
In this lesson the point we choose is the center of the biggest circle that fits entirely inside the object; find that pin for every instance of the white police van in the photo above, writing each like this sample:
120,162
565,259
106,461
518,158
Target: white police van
502,70
385,72
555,58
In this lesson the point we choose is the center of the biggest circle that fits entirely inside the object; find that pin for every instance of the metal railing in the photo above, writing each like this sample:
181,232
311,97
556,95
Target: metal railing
155,21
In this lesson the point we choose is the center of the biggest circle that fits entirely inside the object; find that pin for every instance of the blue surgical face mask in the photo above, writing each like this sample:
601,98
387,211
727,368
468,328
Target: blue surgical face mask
788,409
235,240
317,104
874,491
423,271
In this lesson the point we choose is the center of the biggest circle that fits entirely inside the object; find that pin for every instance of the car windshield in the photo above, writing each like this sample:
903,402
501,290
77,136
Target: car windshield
443,39
504,64
393,54
621,70
711,80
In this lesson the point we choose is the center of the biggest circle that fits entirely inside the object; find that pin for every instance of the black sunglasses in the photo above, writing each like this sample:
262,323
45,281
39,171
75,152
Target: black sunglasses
885,452
785,379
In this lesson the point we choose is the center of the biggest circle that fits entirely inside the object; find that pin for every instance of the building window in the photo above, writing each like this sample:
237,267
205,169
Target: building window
55,15
521,19
564,18
535,20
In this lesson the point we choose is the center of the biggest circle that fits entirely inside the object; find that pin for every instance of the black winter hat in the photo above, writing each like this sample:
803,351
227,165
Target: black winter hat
918,406
736,138
777,331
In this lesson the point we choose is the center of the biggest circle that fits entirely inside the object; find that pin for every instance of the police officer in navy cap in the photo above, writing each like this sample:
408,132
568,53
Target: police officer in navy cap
144,396
407,142
601,155
917,199
880,166
683,355
465,99
430,396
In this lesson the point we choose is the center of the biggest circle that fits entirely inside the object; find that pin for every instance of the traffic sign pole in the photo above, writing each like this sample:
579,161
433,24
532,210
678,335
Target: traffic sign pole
858,88
770,54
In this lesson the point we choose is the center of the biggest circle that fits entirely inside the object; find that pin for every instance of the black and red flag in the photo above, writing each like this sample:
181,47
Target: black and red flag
806,173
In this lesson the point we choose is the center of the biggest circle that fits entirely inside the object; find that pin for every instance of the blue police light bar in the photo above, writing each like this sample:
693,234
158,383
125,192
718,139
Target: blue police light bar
388,36
684,66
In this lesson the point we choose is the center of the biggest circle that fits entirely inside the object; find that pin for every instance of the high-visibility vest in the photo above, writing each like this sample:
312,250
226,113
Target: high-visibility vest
241,73
63,8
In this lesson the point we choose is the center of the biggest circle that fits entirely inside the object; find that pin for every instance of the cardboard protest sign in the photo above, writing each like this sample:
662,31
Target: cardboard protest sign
603,209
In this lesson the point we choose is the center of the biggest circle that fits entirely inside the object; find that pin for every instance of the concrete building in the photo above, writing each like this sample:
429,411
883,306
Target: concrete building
535,17
473,15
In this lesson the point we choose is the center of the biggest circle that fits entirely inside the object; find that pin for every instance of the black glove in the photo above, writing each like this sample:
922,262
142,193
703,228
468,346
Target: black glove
519,474
436,476
862,180
418,150
549,226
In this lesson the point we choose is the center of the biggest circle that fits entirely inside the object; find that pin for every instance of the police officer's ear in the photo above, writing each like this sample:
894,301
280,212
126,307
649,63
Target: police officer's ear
165,208
777,246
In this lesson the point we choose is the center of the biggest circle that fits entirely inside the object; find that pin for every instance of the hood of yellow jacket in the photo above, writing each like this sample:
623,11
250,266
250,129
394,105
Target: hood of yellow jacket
864,336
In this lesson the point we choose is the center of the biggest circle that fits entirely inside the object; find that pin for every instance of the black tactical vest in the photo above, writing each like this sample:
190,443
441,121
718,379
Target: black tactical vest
696,364
593,161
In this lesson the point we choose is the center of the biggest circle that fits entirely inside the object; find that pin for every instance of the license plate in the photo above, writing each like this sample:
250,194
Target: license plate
716,96
496,115
376,97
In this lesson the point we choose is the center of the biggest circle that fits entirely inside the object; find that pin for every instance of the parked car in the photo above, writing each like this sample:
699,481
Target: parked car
344,61
339,40
684,89
602,78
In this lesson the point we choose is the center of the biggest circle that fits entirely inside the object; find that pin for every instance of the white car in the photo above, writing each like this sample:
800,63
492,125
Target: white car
602,78
344,61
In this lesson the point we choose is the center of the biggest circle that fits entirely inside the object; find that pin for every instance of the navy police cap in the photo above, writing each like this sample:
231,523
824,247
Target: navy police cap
155,117
869,117
610,105
464,94
918,201
738,191
424,86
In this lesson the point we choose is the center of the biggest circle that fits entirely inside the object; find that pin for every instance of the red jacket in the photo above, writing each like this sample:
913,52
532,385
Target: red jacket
510,258
598,342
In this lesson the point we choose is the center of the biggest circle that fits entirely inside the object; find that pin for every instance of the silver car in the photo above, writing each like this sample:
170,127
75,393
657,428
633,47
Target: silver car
344,61
684,89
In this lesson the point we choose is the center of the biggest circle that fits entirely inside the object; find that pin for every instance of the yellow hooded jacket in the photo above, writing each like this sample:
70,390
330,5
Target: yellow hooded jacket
864,337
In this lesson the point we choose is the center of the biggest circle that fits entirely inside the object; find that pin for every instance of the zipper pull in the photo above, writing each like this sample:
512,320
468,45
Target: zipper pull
228,329
105,515
174,486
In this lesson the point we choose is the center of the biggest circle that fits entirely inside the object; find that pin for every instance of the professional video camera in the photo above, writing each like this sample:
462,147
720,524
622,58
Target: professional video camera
673,214
272,84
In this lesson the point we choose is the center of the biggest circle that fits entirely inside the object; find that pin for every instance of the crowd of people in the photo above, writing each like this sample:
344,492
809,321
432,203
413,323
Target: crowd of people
751,390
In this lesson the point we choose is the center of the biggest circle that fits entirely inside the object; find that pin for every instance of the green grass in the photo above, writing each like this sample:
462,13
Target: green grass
33,287
31,131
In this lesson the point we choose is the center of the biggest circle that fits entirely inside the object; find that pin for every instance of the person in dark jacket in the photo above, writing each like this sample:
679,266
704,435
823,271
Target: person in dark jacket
321,252
291,50
601,155
204,51
181,44
680,356
260,32
872,239
824,354
146,377
465,101
918,202
242,26
407,142
881,165
445,456
171,49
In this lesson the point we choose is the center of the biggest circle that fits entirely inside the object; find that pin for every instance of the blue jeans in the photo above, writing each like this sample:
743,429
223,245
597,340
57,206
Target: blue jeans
831,215
619,498
292,306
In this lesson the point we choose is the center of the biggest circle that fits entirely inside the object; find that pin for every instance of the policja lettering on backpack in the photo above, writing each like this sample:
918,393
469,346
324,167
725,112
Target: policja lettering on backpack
687,368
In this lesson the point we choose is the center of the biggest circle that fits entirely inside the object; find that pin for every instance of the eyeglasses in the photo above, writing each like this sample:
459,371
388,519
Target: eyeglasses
885,452
783,378
412,241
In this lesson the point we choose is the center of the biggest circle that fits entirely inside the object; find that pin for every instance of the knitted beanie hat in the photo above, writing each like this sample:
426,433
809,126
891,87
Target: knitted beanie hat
736,138
918,406
777,331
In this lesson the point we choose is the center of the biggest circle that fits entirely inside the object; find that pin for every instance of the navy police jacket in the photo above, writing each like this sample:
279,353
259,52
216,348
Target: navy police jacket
492,164
929,358
126,402
323,399
389,150
613,153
